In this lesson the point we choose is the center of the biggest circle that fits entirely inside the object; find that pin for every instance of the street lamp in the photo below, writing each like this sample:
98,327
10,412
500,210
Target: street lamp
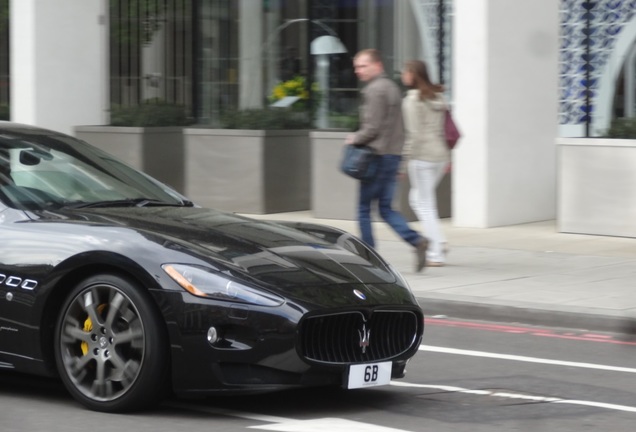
322,47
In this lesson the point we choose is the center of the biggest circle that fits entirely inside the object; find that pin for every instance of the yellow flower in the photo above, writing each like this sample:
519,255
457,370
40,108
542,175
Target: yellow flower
292,87
279,93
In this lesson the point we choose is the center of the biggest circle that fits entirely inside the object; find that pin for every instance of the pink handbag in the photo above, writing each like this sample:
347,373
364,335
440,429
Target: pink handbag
451,132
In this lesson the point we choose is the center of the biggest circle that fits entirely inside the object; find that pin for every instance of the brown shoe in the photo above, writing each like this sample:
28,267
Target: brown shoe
434,264
420,250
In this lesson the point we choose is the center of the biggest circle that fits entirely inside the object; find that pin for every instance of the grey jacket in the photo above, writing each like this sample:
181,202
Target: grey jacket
381,125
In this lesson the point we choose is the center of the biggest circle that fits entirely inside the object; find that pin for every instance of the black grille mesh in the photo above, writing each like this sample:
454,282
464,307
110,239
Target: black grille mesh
337,338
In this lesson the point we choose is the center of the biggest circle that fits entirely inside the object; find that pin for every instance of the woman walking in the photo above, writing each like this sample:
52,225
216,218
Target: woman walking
425,152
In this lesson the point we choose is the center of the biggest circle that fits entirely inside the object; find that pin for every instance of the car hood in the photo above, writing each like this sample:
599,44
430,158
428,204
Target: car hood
270,253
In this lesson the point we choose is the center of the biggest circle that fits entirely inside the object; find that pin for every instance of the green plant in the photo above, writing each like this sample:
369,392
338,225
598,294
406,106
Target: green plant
152,112
265,118
344,121
5,113
622,128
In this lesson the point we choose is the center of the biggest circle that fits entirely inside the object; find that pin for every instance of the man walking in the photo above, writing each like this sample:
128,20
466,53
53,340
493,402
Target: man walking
382,129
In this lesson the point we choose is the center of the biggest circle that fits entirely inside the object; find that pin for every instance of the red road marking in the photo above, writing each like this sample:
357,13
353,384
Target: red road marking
587,337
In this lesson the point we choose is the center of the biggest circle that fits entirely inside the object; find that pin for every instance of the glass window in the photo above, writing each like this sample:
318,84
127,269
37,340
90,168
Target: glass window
253,53
625,91
151,49
215,56
218,58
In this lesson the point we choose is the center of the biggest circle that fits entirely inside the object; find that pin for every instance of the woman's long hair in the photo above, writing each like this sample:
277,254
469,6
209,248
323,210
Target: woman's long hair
421,80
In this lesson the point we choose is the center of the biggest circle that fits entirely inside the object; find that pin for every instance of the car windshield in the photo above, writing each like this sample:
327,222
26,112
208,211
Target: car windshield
43,171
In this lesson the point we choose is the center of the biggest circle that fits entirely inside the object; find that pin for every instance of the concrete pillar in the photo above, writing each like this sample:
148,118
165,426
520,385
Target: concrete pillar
250,53
505,101
153,58
272,51
59,63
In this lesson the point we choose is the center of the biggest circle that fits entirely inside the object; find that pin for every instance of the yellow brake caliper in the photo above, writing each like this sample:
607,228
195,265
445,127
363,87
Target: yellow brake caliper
88,327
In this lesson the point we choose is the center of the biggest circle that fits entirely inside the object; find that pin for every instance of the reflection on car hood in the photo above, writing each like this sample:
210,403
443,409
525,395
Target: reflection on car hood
268,252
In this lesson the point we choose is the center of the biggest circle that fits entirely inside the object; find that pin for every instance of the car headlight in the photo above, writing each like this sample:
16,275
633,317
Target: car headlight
206,283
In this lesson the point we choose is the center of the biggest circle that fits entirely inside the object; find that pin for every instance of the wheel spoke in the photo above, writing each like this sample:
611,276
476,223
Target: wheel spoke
133,335
124,371
129,316
117,305
118,364
102,387
78,366
130,372
75,334
91,301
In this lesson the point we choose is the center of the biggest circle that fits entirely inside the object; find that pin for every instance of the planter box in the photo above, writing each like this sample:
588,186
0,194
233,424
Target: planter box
335,195
157,151
248,171
596,186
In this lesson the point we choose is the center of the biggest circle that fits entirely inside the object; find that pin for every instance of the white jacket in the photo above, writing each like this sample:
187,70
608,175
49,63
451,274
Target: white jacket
424,127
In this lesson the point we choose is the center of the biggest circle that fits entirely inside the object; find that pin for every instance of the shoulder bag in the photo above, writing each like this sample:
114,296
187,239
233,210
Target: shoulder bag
359,162
451,132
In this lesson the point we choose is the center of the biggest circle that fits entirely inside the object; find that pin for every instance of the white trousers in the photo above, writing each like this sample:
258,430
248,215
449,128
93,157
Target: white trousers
424,177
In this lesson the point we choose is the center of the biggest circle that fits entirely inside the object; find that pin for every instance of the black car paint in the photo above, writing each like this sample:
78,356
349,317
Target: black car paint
314,268
109,237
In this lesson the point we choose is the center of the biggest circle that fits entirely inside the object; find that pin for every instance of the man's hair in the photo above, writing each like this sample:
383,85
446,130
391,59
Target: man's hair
373,54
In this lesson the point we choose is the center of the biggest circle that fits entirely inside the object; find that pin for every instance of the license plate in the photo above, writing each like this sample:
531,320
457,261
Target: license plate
369,375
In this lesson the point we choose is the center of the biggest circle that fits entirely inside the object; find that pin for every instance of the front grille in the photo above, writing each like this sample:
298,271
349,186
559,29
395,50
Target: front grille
351,337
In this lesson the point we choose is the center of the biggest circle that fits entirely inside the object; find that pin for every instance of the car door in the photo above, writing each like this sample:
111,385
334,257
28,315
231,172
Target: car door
17,287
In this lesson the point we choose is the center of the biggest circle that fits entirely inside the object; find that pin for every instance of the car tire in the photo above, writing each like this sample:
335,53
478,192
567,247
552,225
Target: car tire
111,348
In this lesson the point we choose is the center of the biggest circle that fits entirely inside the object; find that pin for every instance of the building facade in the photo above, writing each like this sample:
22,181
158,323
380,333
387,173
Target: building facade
519,73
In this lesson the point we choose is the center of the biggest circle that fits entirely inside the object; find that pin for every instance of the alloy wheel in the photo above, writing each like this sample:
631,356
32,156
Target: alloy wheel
102,342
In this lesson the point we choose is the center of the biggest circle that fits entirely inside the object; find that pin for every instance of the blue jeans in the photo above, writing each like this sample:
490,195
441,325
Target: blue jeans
381,189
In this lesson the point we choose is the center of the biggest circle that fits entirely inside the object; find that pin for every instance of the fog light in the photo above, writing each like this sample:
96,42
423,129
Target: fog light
213,335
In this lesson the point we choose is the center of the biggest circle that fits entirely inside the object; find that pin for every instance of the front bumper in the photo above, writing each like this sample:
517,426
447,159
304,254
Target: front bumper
258,349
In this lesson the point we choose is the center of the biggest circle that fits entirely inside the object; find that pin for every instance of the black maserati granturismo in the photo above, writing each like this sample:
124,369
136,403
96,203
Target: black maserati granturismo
128,291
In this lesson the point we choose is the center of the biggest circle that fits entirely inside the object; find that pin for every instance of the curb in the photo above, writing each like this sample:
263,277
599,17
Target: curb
582,319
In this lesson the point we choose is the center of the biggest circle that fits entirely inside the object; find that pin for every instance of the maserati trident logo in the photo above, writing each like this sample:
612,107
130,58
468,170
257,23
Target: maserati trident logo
365,337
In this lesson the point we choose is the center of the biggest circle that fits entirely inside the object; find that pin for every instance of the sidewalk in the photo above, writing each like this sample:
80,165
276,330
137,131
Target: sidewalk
527,274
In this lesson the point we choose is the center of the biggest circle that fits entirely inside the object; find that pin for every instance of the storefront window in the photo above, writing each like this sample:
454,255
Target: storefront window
251,50
216,56
151,51
625,93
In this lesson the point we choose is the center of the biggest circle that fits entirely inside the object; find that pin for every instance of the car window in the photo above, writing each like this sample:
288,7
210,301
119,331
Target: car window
43,171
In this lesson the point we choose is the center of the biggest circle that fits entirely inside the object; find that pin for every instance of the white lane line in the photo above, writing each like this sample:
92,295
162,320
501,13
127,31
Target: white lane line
518,396
325,424
444,350
283,424
228,412
598,405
